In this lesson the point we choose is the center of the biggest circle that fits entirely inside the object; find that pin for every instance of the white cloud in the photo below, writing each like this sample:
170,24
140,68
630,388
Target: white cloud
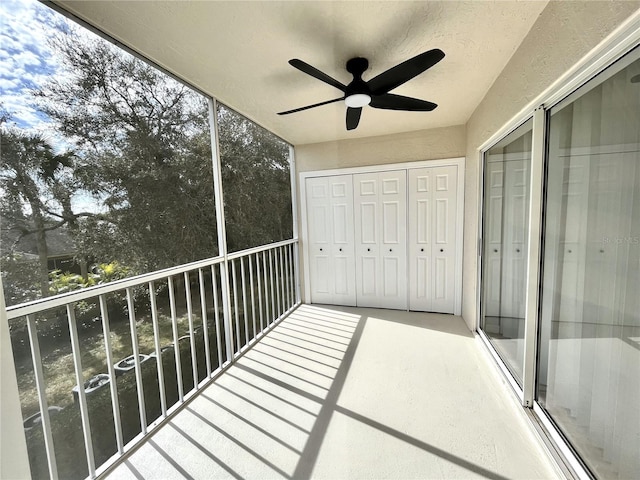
26,60
8,83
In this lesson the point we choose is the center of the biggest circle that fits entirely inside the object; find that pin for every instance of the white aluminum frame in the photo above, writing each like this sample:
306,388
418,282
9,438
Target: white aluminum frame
459,162
533,257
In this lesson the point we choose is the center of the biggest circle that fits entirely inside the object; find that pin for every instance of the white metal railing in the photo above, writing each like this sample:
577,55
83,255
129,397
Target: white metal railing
263,287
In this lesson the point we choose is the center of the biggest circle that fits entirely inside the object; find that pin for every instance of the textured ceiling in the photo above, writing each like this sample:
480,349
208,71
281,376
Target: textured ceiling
238,52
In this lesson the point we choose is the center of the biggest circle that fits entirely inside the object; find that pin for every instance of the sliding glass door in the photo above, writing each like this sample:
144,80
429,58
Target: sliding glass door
573,346
507,168
588,380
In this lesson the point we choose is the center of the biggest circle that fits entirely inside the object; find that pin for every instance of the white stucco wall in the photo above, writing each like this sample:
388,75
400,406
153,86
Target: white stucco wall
563,34
403,147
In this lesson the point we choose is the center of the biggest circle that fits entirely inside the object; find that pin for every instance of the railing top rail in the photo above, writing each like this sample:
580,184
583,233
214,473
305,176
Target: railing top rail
62,299
261,248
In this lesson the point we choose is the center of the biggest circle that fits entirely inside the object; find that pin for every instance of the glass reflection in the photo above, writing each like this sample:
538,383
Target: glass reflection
507,169
589,359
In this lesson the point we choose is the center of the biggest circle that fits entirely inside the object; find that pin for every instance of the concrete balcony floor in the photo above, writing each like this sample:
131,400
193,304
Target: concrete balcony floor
341,393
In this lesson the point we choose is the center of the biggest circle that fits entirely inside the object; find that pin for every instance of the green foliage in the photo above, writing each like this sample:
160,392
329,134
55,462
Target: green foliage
109,272
256,182
63,282
19,277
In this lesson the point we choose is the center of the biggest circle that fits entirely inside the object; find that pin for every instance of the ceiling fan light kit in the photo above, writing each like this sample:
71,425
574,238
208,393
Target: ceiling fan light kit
357,100
374,92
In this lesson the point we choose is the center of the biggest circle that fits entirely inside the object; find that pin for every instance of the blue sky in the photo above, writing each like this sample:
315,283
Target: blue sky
26,60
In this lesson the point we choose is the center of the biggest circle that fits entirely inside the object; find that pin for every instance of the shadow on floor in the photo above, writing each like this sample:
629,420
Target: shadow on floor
276,404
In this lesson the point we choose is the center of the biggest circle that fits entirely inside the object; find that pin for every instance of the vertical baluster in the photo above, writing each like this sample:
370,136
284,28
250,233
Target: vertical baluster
273,289
42,397
225,285
235,304
282,280
285,301
214,286
244,302
266,290
136,360
82,397
296,268
205,322
176,344
291,276
192,336
156,341
287,277
276,262
260,307
278,265
253,301
294,274
115,404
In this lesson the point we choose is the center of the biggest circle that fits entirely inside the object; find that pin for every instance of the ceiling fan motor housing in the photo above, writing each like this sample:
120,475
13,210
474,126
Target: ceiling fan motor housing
356,67
357,93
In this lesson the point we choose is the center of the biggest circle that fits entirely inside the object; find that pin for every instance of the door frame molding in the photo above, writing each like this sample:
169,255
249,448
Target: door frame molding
456,161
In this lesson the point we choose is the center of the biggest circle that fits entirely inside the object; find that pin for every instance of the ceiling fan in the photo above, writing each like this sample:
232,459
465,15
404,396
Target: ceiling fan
374,92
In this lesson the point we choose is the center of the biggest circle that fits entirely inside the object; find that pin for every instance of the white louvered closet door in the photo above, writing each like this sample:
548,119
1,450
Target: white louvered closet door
380,204
432,238
331,248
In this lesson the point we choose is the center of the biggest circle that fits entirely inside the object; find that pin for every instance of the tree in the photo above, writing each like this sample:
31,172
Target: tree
34,184
256,182
146,155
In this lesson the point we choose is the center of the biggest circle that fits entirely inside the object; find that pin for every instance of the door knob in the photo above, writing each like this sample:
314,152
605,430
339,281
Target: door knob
368,249
320,249
340,249
441,250
422,249
518,250
495,250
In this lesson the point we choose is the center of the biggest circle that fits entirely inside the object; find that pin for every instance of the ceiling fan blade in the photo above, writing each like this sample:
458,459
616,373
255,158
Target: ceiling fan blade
314,72
310,106
405,71
353,117
389,101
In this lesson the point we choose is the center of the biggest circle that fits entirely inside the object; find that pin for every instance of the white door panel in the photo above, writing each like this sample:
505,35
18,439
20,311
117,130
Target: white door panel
331,255
432,238
380,237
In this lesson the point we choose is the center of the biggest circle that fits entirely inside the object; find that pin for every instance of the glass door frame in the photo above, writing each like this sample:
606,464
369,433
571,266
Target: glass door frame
534,233
613,48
